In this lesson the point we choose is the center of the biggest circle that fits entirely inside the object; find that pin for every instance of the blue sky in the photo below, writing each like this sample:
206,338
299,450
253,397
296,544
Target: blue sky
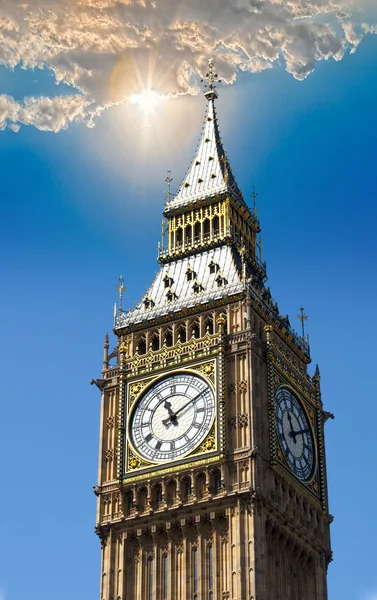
83,205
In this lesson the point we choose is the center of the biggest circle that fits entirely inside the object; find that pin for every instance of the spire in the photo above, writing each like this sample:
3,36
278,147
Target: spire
210,173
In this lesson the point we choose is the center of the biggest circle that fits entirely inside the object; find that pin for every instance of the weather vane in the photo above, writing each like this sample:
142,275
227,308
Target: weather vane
168,181
302,317
121,289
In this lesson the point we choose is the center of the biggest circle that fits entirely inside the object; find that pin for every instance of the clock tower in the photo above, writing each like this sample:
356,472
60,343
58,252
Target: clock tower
212,476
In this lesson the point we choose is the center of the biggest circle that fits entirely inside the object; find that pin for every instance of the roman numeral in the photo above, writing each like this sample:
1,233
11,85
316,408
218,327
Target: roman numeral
149,437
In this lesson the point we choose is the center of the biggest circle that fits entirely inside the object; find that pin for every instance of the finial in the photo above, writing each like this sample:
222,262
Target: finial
302,317
316,376
168,181
254,196
242,254
163,235
121,289
106,352
211,77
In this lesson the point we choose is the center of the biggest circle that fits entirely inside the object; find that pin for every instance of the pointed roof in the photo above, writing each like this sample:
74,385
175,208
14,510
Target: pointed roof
210,173
173,290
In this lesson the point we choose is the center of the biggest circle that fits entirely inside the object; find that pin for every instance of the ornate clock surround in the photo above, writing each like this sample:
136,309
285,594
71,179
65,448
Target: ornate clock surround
210,449
283,372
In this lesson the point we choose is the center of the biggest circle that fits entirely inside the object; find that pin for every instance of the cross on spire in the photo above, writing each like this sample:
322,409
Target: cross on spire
121,289
211,77
302,317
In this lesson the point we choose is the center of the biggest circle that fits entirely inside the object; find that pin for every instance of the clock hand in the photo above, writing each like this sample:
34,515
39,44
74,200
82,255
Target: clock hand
292,432
187,403
172,419
167,405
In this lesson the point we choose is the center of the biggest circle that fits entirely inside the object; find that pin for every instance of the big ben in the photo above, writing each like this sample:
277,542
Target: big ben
212,475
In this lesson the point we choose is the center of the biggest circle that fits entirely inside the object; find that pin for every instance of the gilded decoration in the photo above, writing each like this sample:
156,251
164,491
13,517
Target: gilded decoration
136,389
209,443
170,356
134,462
173,469
277,377
208,370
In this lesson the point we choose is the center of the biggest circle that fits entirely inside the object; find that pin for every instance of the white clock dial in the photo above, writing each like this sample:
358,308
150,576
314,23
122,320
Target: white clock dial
172,417
294,433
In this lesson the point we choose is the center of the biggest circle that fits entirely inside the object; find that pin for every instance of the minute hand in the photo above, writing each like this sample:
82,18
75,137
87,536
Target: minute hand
294,433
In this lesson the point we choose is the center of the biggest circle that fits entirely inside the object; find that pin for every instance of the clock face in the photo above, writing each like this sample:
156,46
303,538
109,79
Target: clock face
172,417
294,433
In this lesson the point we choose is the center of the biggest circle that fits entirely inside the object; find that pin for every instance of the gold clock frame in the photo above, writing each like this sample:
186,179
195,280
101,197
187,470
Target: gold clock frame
207,451
310,416
315,487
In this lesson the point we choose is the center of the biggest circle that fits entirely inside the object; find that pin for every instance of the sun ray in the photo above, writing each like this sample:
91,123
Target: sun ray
147,100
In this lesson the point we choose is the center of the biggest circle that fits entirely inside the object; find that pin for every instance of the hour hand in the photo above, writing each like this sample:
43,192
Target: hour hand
292,432
172,418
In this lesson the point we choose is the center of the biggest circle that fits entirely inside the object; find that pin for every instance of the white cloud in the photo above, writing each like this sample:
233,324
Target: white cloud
107,50
46,114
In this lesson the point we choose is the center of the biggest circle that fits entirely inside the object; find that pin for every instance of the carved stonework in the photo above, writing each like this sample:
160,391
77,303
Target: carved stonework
110,454
243,420
103,533
242,386
232,422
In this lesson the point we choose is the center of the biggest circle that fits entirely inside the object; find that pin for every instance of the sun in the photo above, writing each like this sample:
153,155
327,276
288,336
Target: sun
147,100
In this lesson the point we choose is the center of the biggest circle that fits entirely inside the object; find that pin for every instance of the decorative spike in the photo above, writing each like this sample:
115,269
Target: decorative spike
106,352
316,377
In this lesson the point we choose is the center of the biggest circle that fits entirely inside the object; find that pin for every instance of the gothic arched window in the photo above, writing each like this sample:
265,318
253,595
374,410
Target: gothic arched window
210,573
209,325
179,236
195,573
188,233
206,228
150,578
141,345
182,333
158,493
155,341
168,339
216,226
165,577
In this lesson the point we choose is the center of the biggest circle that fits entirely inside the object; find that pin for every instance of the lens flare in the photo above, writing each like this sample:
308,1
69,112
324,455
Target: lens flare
147,100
